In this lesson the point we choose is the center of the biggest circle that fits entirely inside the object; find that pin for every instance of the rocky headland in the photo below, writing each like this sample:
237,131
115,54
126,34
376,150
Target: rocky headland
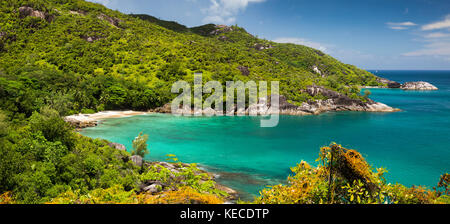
334,102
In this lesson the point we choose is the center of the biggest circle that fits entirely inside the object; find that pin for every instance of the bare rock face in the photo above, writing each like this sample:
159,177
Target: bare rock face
389,83
317,70
261,47
26,11
244,70
117,146
154,188
137,160
166,109
232,194
92,39
111,20
223,38
80,124
221,29
335,102
418,86
79,12
339,102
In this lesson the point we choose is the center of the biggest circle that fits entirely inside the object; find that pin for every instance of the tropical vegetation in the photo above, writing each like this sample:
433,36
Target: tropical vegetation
61,57
343,176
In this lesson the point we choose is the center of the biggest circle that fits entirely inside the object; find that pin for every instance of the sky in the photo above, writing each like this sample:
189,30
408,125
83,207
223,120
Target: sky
371,34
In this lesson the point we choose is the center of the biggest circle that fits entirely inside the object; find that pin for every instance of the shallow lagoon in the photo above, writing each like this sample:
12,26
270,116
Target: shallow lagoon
414,145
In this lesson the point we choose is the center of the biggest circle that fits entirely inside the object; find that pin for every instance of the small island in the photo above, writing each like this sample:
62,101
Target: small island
418,86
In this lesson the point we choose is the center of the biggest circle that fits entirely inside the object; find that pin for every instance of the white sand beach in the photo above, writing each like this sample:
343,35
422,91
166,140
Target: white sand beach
102,115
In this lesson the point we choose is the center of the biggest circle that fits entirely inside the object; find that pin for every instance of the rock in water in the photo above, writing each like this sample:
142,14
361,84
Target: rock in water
418,86
137,160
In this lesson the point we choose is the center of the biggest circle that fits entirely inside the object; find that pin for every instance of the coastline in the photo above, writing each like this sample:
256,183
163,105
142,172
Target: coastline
80,121
335,102
104,115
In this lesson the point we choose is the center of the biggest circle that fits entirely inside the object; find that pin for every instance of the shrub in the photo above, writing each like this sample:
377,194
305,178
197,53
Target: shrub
344,177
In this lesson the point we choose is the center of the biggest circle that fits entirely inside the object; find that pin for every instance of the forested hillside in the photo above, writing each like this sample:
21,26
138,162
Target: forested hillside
75,55
60,57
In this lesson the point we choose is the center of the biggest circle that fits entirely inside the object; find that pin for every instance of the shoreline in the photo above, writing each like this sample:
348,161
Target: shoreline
104,115
80,121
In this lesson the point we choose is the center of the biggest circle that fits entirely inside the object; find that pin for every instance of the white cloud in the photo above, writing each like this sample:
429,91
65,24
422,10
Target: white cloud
225,11
437,35
438,25
301,41
401,25
437,48
437,44
398,27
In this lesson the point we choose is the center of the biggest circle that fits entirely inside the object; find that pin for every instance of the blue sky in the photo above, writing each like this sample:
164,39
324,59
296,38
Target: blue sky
371,34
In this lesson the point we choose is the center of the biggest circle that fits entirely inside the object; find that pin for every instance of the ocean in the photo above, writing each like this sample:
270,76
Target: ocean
413,145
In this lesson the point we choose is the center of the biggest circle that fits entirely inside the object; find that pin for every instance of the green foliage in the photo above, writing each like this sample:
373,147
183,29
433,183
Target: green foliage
3,125
367,93
140,145
90,57
44,158
344,177
174,26
190,176
84,57
112,195
52,127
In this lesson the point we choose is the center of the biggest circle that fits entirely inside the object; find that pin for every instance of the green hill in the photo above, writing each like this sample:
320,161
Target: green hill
59,57
75,55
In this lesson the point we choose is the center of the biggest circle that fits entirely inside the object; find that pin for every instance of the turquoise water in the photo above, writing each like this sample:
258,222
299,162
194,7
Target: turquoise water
414,145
